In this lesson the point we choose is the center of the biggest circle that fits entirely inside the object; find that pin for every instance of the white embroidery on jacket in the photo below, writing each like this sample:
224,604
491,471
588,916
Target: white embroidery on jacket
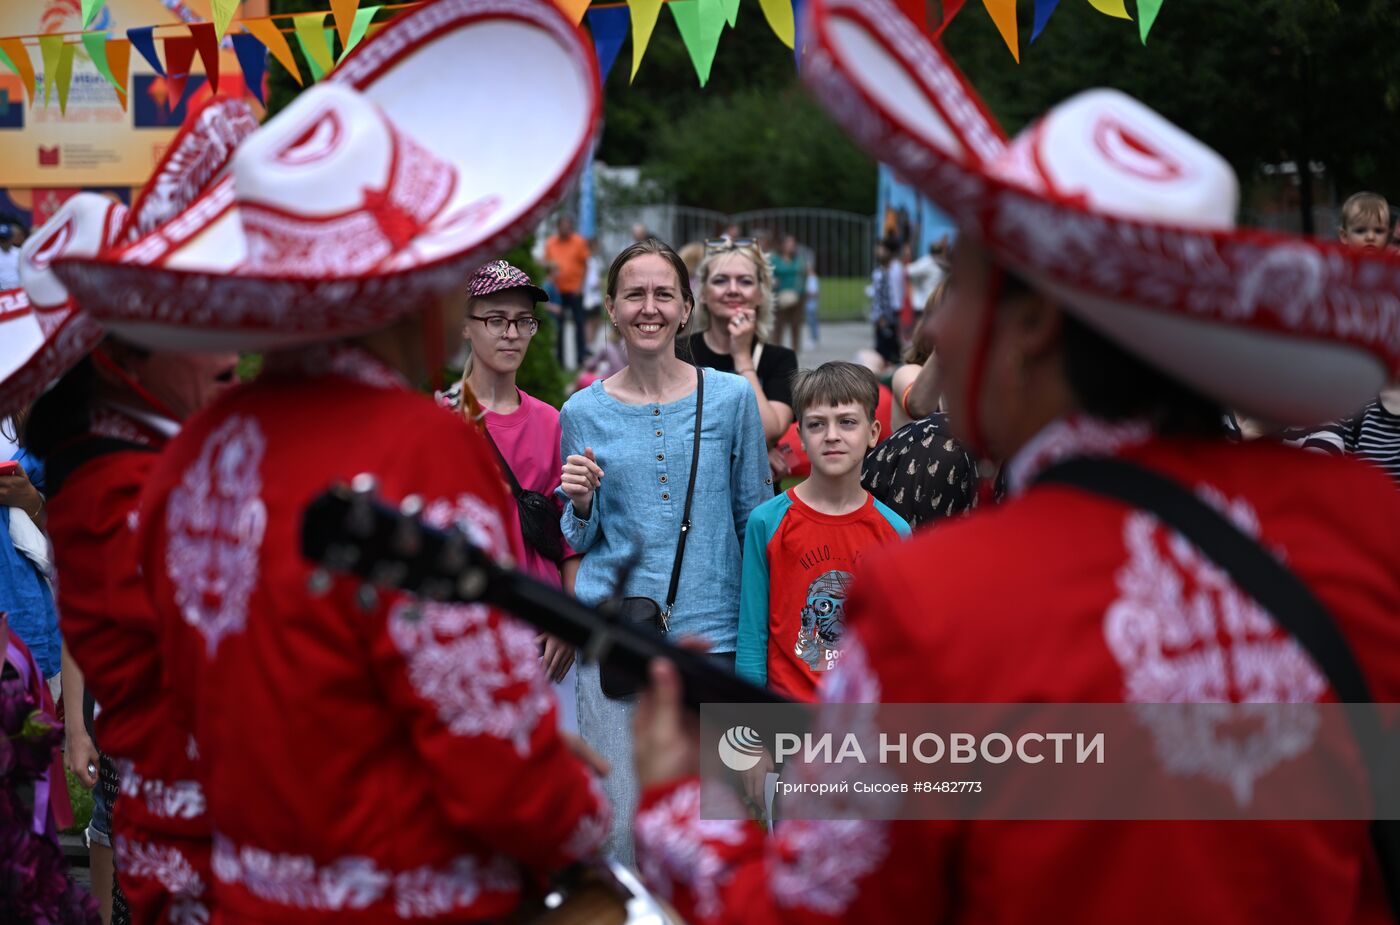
478,668
430,891
592,829
164,864
216,519
1183,633
678,848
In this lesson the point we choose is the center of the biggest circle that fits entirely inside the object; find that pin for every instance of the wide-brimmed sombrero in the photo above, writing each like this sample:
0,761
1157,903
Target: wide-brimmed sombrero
373,193
44,332
1125,219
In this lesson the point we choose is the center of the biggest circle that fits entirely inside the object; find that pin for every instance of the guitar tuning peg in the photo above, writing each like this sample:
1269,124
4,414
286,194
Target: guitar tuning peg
364,484
411,506
318,584
471,584
367,597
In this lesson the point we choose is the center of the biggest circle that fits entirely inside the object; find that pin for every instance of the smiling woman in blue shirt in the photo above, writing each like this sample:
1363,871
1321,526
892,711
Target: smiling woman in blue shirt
626,446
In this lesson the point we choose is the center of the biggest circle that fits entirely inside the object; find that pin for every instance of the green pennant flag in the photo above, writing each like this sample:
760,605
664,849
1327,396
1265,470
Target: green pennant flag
700,23
731,11
363,17
96,45
6,60
90,8
1147,15
314,39
65,76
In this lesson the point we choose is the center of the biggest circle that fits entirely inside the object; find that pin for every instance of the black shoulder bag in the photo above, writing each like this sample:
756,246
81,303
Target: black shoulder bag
1293,606
644,612
539,518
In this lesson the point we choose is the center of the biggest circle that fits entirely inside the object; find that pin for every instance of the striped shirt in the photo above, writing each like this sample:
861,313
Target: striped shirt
1373,435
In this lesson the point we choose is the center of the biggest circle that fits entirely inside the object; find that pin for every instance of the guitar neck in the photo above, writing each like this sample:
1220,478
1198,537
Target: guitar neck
349,532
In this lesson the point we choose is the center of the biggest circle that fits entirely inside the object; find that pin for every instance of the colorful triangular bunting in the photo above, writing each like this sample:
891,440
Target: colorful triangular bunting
1147,16
779,16
574,9
64,78
363,17
144,42
609,28
50,49
252,60
96,45
17,57
644,13
222,11
1111,8
90,8
1003,13
1043,9
119,61
207,44
179,55
343,14
276,44
311,35
731,11
700,23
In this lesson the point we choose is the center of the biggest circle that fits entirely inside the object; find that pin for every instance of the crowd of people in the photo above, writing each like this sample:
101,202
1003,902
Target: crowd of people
271,743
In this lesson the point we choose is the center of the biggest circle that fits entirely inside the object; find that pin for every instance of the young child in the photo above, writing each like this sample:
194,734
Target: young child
802,548
1365,221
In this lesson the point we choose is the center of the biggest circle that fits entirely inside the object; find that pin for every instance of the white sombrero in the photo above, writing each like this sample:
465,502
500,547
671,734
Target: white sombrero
1124,218
373,192
43,332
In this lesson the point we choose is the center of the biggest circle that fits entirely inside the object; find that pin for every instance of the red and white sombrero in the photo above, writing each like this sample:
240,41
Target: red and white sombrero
43,332
1125,219
373,192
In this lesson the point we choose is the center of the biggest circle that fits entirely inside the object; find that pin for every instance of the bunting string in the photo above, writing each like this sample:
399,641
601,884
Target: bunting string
700,23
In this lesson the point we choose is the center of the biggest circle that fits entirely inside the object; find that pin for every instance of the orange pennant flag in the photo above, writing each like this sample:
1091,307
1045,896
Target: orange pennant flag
119,60
1003,13
344,13
15,49
264,31
574,9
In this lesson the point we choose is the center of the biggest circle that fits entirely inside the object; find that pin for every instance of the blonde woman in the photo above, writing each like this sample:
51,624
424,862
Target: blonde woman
734,319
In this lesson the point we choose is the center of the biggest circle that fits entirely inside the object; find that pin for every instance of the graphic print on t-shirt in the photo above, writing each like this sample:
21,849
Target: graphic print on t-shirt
823,619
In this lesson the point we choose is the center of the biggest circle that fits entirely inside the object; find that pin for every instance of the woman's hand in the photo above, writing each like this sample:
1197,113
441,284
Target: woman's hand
741,334
580,479
17,491
557,656
80,754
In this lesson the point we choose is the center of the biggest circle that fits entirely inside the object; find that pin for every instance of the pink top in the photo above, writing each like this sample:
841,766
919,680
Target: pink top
528,438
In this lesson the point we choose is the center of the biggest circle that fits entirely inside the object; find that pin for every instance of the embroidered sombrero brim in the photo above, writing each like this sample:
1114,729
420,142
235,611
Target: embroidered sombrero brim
459,78
1285,328
43,332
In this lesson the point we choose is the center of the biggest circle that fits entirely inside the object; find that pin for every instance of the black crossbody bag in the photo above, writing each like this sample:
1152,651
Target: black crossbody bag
644,612
539,518
1292,604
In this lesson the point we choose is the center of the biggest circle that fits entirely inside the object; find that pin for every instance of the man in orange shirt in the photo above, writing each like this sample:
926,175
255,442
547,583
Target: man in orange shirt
566,256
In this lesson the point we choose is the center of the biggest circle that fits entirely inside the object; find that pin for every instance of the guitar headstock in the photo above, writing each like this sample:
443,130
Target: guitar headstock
351,530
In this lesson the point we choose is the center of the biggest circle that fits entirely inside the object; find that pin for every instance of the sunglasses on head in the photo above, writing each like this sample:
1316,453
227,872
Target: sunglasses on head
727,243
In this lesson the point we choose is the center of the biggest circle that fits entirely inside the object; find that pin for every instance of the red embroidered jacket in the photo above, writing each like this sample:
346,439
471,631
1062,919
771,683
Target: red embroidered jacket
363,764
161,835
1059,596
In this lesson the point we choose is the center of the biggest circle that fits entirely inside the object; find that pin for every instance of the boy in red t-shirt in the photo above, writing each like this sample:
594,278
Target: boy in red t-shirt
801,548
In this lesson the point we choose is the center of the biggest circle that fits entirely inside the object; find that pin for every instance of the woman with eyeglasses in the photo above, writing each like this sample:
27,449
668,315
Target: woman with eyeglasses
524,430
733,322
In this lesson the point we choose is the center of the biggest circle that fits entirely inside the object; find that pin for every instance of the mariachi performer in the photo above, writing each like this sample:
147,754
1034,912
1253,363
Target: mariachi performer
1105,310
364,759
99,429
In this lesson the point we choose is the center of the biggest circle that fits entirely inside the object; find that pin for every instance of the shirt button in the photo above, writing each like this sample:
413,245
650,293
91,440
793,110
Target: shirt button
663,480
660,456
655,412
658,433
665,496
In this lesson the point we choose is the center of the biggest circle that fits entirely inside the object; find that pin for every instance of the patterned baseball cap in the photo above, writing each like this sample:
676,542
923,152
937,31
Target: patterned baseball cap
498,275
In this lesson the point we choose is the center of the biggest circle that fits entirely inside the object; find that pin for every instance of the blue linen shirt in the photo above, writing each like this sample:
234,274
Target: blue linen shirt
24,592
644,452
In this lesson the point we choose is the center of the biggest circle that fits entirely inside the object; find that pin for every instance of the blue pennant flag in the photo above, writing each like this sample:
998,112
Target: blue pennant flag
609,28
1043,9
142,40
252,58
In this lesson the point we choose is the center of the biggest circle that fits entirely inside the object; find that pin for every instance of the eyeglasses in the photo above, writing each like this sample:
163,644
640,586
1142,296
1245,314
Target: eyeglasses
728,243
497,325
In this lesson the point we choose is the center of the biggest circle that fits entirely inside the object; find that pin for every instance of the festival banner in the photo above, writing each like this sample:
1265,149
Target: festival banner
91,141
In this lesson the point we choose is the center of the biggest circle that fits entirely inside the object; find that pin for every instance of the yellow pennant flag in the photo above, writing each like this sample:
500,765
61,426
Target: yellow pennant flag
343,12
779,16
264,31
1003,13
51,49
222,13
644,13
574,9
311,33
1111,8
64,78
20,56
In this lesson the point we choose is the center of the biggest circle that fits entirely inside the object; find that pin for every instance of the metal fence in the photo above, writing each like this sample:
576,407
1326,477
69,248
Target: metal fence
839,243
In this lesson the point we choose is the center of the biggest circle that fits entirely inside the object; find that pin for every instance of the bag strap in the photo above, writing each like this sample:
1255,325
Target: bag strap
1275,588
501,458
689,497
